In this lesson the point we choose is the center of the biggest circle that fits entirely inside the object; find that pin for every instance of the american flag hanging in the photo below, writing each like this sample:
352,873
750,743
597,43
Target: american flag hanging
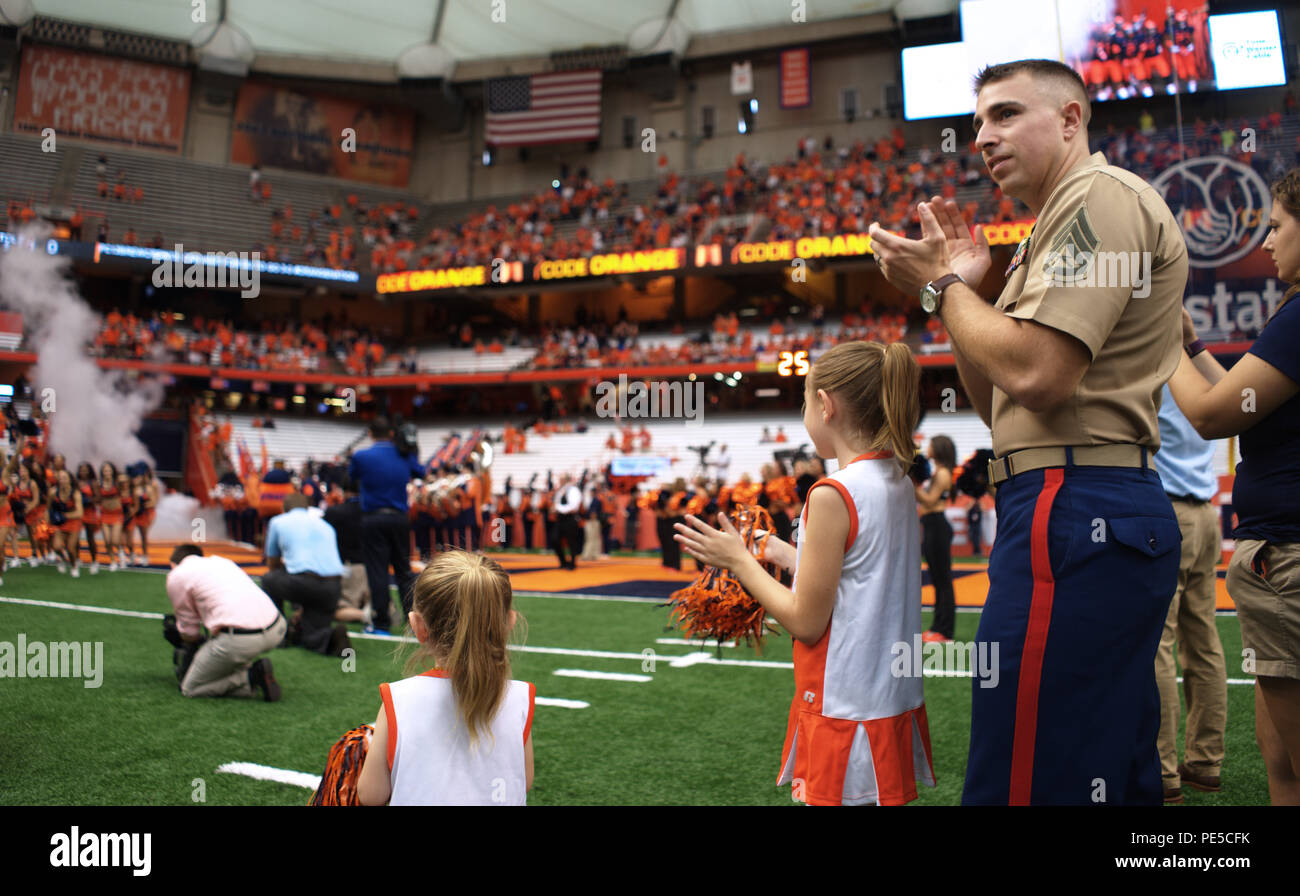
523,111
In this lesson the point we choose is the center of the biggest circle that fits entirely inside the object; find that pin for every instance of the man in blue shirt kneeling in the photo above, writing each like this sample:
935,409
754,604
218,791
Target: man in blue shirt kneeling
304,569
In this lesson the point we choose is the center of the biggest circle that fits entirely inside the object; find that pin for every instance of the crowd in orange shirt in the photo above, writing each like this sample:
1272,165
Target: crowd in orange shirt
281,345
820,189
629,439
309,346
121,190
526,231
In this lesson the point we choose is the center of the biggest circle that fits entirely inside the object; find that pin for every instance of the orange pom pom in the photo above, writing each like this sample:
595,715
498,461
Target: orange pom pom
716,605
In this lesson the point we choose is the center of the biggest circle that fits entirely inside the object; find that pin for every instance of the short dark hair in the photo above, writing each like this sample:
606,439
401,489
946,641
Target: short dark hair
186,550
380,428
1037,68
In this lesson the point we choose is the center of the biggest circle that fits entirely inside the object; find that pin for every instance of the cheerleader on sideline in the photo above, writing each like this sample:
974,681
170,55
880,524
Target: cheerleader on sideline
19,500
38,523
145,491
6,511
857,732
127,497
111,514
65,522
90,520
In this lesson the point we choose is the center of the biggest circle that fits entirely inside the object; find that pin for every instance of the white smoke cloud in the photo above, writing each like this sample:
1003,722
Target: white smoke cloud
96,412
176,516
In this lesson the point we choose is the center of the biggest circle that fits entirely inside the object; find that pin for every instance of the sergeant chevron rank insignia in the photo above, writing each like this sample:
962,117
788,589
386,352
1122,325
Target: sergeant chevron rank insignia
1073,250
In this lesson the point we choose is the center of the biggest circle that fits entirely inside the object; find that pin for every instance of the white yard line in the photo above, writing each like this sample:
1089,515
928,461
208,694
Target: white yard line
602,676
700,658
685,642
55,605
563,704
269,773
614,598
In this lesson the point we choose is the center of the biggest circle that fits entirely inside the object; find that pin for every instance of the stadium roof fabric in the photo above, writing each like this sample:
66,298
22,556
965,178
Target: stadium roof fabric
380,30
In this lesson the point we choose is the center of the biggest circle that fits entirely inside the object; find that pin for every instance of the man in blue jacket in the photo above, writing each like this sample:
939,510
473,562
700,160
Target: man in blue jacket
382,473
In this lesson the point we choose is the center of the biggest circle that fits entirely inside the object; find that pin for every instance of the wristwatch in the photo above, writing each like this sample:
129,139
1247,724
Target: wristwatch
933,291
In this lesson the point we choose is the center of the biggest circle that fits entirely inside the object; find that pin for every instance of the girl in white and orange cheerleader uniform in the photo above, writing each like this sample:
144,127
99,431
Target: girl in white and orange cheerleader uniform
857,732
461,732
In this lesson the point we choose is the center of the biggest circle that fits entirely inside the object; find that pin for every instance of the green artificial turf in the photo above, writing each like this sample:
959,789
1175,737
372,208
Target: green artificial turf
695,735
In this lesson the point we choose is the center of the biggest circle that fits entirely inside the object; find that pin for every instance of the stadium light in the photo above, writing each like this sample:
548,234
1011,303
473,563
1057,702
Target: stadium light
753,106
740,126
224,48
718,377
488,157
16,13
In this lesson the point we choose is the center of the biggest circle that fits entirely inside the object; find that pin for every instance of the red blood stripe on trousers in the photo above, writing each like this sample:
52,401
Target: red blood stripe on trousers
1031,657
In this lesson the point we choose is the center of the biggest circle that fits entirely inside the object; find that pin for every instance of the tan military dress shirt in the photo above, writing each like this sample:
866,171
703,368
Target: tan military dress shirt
1106,263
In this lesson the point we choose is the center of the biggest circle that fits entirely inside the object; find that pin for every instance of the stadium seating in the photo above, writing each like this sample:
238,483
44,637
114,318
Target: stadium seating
461,360
29,173
207,207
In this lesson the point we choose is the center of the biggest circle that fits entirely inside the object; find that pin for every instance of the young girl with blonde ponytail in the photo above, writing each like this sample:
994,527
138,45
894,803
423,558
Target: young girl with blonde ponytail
461,732
857,732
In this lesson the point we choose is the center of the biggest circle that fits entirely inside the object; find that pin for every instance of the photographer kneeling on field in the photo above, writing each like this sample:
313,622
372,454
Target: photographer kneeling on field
242,624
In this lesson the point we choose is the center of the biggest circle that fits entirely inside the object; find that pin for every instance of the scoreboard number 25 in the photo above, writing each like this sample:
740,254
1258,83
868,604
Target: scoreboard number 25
793,363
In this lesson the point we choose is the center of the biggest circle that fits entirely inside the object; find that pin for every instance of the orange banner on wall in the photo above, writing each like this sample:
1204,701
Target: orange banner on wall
86,96
304,131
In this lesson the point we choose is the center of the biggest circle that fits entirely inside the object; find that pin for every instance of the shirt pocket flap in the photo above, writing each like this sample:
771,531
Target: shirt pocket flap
1151,535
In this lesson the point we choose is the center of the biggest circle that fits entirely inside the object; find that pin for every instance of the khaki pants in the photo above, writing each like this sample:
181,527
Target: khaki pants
356,587
591,541
220,668
1200,653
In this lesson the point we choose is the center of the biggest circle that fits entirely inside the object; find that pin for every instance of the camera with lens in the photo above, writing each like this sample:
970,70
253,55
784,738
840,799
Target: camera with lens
406,438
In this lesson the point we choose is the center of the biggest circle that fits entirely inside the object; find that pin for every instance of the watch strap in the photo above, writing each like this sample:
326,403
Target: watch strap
944,282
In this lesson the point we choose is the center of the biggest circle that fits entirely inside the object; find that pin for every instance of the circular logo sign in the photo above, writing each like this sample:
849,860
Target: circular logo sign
1221,205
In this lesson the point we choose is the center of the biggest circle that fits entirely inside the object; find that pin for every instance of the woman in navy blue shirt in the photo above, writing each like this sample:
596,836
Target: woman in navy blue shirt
1259,399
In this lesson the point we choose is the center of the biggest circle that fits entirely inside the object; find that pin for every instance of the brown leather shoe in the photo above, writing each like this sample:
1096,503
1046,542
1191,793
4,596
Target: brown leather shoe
262,679
1199,782
339,640
1173,795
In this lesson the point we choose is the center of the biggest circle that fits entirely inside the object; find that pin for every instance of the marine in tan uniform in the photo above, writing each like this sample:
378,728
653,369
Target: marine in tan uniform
1067,368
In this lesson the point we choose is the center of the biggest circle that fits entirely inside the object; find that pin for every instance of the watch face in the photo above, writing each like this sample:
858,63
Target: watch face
928,299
